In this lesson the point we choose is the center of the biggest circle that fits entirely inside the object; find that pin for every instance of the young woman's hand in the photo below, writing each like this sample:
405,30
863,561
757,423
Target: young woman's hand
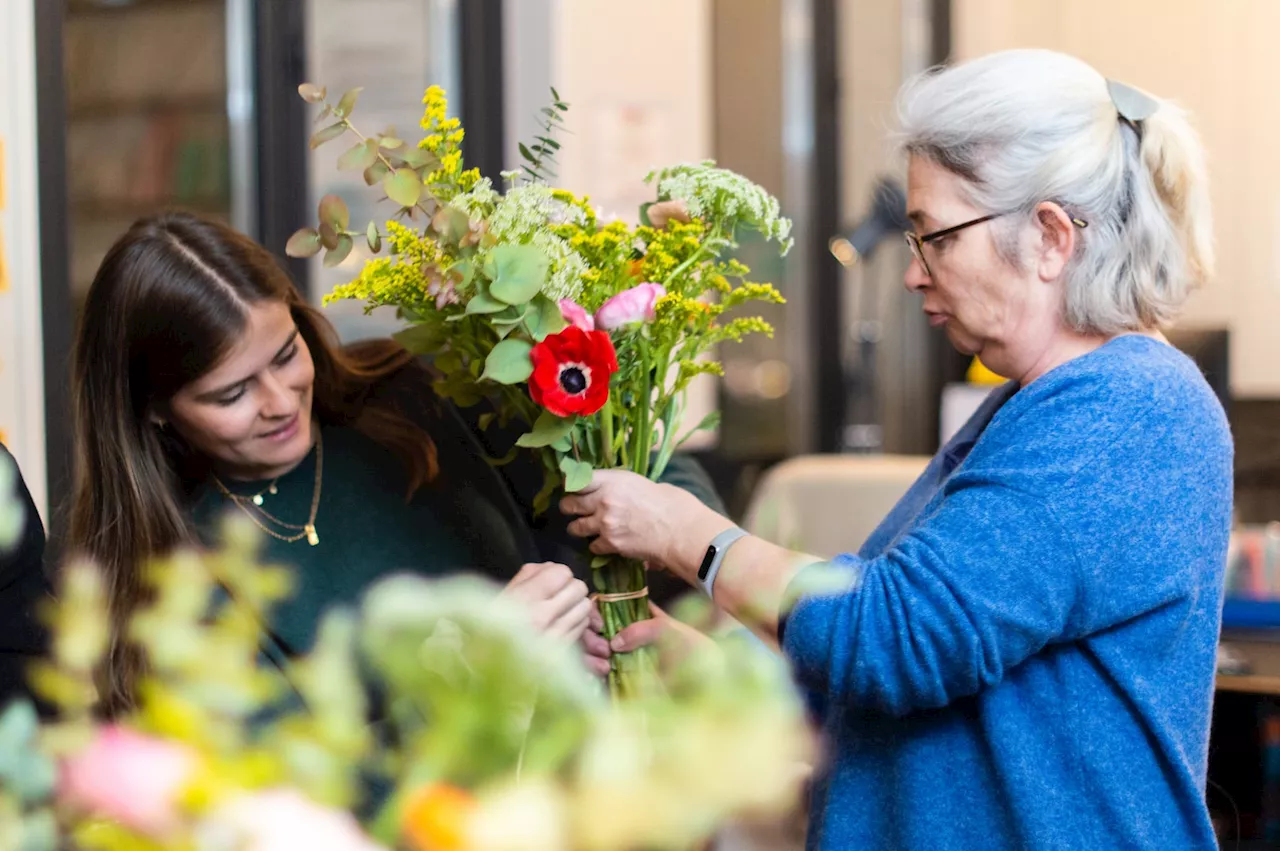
557,602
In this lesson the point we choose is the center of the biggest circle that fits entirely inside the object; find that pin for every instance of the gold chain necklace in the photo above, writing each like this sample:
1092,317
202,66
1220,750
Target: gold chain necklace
308,529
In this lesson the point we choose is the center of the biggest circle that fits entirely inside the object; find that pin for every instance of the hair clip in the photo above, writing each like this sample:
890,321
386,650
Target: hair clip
1080,223
1133,106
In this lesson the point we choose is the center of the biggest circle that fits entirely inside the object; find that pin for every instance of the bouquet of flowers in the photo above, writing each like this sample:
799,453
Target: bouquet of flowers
489,736
586,332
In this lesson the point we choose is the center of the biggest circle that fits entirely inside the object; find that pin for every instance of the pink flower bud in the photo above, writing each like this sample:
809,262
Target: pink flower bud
576,316
628,306
130,778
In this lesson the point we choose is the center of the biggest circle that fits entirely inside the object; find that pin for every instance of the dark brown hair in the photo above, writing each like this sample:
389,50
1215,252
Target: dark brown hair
170,299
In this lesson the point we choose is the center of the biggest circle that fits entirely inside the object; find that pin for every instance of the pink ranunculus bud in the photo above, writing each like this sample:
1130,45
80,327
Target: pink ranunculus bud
576,316
628,306
130,778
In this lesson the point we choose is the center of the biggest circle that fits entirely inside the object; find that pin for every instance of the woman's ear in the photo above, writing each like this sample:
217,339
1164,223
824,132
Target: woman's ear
1057,241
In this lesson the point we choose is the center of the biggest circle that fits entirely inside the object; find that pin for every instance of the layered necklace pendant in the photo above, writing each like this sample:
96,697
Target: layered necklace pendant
264,520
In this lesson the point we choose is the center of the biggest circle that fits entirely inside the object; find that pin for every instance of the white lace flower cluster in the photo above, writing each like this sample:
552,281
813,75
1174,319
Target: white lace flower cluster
523,215
726,196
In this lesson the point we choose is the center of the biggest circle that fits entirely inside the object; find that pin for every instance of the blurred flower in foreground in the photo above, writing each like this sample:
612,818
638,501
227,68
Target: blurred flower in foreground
133,779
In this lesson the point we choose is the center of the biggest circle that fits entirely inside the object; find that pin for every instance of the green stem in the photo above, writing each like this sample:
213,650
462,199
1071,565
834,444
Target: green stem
694,258
670,425
606,432
644,427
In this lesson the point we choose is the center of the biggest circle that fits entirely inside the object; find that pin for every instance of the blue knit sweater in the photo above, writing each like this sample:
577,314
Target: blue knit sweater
1025,656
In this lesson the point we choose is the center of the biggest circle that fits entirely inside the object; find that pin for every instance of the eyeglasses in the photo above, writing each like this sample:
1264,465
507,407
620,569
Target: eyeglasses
917,242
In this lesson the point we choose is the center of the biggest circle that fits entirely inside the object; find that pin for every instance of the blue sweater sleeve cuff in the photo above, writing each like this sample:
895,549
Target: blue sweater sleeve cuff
816,591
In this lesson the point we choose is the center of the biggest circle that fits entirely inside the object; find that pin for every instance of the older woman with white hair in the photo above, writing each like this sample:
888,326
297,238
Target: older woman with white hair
1022,654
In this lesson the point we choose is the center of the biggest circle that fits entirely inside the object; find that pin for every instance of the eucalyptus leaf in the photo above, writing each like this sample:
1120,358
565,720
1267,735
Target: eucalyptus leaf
451,224
324,113
422,339
545,318
418,158
403,186
312,93
373,174
390,142
360,157
334,256
373,238
333,211
518,272
482,303
303,243
548,429
328,236
348,102
577,474
509,362
564,444
327,134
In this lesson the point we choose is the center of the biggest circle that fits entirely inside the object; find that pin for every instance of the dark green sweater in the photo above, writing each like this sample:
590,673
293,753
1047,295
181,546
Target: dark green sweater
472,517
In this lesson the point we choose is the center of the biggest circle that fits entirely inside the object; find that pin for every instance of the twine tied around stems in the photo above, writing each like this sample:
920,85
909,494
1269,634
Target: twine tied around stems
622,596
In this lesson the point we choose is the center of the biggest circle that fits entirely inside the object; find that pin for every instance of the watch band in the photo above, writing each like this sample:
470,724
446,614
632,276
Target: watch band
716,550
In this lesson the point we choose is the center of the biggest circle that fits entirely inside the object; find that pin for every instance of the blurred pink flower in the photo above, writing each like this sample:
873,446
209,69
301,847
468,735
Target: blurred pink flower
628,306
576,315
285,820
130,778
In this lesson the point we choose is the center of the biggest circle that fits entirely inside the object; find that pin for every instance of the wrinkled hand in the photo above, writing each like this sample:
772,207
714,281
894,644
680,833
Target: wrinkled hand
677,639
626,513
556,601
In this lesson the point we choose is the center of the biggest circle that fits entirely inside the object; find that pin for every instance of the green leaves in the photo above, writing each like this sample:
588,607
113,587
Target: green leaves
518,272
710,421
577,474
327,134
336,255
545,318
549,429
361,157
541,156
422,339
451,224
403,186
334,212
373,238
484,303
509,362
375,173
304,243
347,103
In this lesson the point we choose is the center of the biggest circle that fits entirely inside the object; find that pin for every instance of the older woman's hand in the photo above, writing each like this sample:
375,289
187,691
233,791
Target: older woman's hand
625,513
677,639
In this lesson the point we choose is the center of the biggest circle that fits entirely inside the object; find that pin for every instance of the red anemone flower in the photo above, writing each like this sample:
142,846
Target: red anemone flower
571,371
